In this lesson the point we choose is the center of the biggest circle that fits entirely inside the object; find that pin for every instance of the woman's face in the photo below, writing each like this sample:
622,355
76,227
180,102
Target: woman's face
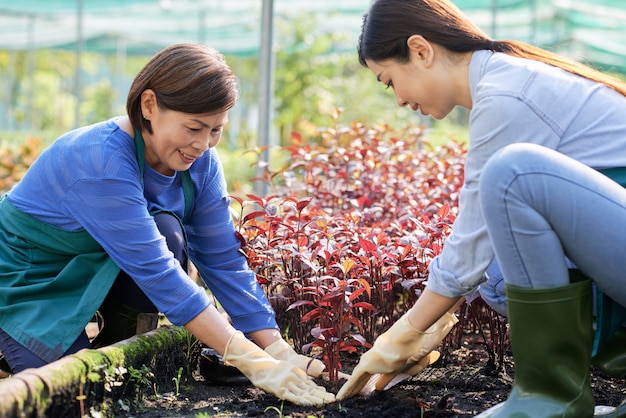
177,138
427,82
414,86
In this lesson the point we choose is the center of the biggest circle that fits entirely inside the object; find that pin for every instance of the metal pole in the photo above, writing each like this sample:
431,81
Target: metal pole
30,59
202,26
533,25
8,97
120,67
266,91
494,19
79,51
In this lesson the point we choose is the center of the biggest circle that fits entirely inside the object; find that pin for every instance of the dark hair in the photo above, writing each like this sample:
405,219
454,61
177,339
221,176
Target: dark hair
389,23
186,78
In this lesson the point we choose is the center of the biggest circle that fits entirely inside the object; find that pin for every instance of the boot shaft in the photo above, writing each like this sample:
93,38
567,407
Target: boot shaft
552,335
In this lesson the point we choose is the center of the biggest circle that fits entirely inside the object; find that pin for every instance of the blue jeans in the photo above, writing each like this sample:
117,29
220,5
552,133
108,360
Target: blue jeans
542,208
493,291
20,358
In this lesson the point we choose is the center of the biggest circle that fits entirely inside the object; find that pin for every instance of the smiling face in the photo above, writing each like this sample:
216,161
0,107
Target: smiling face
429,82
178,138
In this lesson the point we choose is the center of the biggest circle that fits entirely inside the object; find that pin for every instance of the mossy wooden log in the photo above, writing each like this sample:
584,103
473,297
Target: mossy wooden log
72,385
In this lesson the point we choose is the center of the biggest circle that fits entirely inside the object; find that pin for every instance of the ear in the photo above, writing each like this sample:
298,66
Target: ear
148,104
421,49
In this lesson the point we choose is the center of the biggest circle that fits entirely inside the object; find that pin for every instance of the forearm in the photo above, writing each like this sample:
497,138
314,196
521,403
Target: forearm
277,377
211,328
265,337
214,330
431,306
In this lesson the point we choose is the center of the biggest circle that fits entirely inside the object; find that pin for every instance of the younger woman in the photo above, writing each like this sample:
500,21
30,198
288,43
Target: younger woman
541,126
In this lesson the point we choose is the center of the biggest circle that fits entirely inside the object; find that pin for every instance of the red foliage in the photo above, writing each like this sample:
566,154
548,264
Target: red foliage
15,162
343,244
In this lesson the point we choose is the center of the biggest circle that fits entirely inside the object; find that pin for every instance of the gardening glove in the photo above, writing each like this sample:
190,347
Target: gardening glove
398,350
280,350
277,377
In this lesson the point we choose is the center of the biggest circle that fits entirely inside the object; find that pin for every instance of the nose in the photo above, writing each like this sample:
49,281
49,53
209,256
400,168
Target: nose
202,144
401,102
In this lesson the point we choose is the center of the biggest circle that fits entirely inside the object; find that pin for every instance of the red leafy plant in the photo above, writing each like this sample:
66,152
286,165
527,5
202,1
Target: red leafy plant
343,242
15,161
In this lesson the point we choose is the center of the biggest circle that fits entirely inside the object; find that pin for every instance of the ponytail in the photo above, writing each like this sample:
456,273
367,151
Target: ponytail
524,50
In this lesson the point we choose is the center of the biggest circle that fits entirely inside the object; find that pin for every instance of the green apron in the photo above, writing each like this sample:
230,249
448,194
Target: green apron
52,281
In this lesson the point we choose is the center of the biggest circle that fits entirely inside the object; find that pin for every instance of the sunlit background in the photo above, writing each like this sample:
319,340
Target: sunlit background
67,63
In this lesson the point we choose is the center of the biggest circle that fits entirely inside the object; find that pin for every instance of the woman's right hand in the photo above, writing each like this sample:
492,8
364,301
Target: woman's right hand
401,349
280,378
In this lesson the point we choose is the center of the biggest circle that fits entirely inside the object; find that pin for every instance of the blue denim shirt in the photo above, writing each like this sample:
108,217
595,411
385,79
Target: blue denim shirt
519,100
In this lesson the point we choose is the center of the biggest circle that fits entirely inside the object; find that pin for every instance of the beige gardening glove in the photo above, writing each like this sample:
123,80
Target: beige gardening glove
280,350
277,377
401,349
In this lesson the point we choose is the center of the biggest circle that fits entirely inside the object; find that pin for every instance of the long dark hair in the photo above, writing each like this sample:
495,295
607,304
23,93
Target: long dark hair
389,23
186,78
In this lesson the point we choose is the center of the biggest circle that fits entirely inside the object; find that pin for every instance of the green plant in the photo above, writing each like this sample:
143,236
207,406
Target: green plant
476,319
177,381
139,379
191,342
279,411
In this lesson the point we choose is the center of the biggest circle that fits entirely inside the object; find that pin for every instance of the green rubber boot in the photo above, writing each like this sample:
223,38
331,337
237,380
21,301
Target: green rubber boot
552,336
612,358
612,361
609,344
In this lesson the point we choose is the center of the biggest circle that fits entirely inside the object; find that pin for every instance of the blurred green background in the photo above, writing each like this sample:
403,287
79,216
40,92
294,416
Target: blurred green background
67,63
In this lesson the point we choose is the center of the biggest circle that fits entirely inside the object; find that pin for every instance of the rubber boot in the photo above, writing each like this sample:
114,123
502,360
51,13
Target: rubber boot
612,358
611,355
609,344
612,361
552,336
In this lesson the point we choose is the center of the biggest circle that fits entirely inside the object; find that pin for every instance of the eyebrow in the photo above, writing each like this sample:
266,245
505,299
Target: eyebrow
378,76
207,126
200,122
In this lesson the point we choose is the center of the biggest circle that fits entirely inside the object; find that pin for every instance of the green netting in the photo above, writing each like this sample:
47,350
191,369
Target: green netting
592,30
48,7
468,5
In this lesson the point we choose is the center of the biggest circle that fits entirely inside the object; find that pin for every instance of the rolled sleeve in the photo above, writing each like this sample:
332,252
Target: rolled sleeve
183,313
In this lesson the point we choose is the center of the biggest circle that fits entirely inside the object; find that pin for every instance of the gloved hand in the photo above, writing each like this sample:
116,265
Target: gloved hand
277,377
399,350
280,350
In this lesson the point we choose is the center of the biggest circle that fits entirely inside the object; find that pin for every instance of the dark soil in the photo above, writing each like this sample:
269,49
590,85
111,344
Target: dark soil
461,388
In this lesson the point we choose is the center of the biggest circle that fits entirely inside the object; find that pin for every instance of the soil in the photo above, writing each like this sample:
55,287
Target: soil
463,387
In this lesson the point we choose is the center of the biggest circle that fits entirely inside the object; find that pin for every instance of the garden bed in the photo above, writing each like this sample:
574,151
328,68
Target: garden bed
461,388
85,383
158,375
